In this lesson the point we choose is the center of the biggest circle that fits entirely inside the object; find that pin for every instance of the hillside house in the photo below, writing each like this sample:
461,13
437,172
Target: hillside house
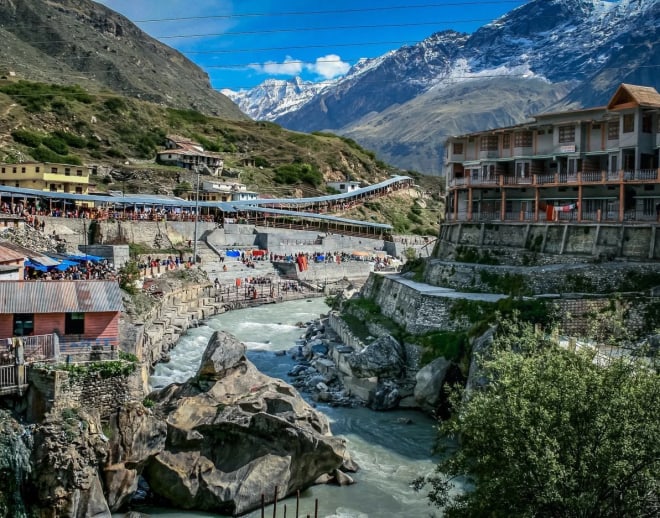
590,165
45,176
188,154
344,186
81,313
222,190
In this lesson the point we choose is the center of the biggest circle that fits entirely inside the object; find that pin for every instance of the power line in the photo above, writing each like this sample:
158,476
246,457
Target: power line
328,28
379,81
334,11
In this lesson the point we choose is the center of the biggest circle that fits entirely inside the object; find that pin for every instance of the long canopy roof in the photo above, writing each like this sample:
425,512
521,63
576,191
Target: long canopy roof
151,200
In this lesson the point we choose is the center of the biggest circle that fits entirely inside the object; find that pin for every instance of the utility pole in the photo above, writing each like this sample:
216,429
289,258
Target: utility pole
196,218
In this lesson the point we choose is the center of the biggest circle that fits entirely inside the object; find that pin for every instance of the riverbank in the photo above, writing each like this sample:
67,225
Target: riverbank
392,448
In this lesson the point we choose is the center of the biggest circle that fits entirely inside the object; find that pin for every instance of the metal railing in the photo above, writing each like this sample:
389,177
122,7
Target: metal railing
8,376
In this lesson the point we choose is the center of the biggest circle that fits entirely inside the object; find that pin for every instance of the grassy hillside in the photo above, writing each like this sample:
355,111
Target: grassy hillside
121,135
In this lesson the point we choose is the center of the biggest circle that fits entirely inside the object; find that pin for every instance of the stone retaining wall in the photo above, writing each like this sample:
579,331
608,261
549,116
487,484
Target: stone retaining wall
604,277
542,243
50,389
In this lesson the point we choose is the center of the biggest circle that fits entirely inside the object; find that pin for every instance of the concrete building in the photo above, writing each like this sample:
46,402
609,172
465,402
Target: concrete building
592,165
222,190
188,154
344,186
44,176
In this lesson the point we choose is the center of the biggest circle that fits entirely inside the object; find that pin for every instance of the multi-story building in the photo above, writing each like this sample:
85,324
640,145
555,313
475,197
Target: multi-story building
590,165
188,154
44,176
221,190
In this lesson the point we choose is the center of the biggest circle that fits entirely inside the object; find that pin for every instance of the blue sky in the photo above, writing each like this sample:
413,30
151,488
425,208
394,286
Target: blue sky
240,44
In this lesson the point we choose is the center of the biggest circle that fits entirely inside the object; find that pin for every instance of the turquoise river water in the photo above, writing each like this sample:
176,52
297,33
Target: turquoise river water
389,452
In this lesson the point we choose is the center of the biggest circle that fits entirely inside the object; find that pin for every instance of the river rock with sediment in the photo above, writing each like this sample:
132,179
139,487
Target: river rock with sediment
234,434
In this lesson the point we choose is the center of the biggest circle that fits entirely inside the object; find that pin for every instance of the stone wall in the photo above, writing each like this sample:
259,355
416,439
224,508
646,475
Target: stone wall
322,273
51,389
606,277
520,243
116,254
415,311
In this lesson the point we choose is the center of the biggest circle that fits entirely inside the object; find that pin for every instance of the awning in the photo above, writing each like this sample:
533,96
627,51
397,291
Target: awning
85,257
44,261
36,266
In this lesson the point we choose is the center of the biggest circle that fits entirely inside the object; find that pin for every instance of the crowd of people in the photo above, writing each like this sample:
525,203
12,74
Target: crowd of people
85,270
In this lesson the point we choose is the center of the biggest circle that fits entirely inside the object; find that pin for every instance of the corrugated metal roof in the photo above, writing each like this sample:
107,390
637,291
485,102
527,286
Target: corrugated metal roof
60,296
7,254
326,217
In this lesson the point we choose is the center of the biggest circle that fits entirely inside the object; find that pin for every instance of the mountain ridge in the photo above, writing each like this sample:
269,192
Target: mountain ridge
82,42
581,49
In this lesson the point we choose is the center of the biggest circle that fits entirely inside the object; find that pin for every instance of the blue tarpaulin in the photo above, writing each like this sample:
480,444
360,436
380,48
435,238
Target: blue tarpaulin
64,264
36,266
85,257
233,253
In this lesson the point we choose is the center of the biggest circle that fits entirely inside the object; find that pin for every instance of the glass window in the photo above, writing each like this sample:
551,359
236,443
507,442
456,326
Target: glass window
36,169
613,130
629,123
522,139
506,140
647,123
458,148
489,143
22,169
566,134
23,324
74,323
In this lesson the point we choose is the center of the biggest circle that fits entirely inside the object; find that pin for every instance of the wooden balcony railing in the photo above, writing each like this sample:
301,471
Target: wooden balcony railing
547,179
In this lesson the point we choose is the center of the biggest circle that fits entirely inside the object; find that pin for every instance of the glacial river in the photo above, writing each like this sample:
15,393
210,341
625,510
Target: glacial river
390,453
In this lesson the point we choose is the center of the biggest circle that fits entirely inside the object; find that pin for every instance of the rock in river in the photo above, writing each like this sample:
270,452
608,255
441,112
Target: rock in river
234,434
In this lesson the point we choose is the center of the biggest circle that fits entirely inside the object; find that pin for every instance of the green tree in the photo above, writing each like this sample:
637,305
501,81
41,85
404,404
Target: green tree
552,434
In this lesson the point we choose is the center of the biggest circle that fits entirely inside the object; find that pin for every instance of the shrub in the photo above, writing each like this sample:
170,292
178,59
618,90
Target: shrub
56,144
27,138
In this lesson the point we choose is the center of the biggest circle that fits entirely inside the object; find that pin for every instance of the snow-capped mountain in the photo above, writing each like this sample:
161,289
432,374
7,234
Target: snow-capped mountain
589,45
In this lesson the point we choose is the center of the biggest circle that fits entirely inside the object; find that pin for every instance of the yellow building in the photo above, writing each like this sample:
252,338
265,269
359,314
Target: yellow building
46,176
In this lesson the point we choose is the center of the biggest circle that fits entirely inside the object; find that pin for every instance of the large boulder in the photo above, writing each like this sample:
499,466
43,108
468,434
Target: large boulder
429,381
136,436
69,451
235,434
382,358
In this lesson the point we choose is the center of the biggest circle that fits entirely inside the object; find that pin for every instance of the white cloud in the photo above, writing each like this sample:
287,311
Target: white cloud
290,67
329,66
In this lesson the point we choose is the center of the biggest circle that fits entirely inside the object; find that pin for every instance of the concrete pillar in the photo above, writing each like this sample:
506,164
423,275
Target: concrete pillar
594,245
622,233
654,230
482,234
563,240
545,237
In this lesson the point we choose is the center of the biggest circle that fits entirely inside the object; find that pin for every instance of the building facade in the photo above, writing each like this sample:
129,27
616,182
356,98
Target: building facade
592,165
344,186
44,176
79,312
188,154
221,190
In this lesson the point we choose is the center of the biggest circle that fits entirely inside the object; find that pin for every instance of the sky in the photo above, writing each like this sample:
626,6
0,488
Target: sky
240,44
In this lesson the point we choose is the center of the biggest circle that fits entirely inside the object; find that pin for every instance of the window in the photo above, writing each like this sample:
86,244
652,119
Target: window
23,324
647,123
629,123
489,143
53,169
540,132
613,130
458,148
506,140
566,134
74,323
522,139
36,169
22,169
3,170
67,171
79,190
595,125
79,172
13,169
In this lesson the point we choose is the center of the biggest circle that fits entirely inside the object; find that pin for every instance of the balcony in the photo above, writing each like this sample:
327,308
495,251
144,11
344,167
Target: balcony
561,179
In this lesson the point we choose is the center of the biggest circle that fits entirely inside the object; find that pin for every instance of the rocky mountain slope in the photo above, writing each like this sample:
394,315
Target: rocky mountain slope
82,42
561,53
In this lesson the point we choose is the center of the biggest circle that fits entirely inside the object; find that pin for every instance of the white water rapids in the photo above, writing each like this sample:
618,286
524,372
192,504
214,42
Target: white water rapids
389,452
